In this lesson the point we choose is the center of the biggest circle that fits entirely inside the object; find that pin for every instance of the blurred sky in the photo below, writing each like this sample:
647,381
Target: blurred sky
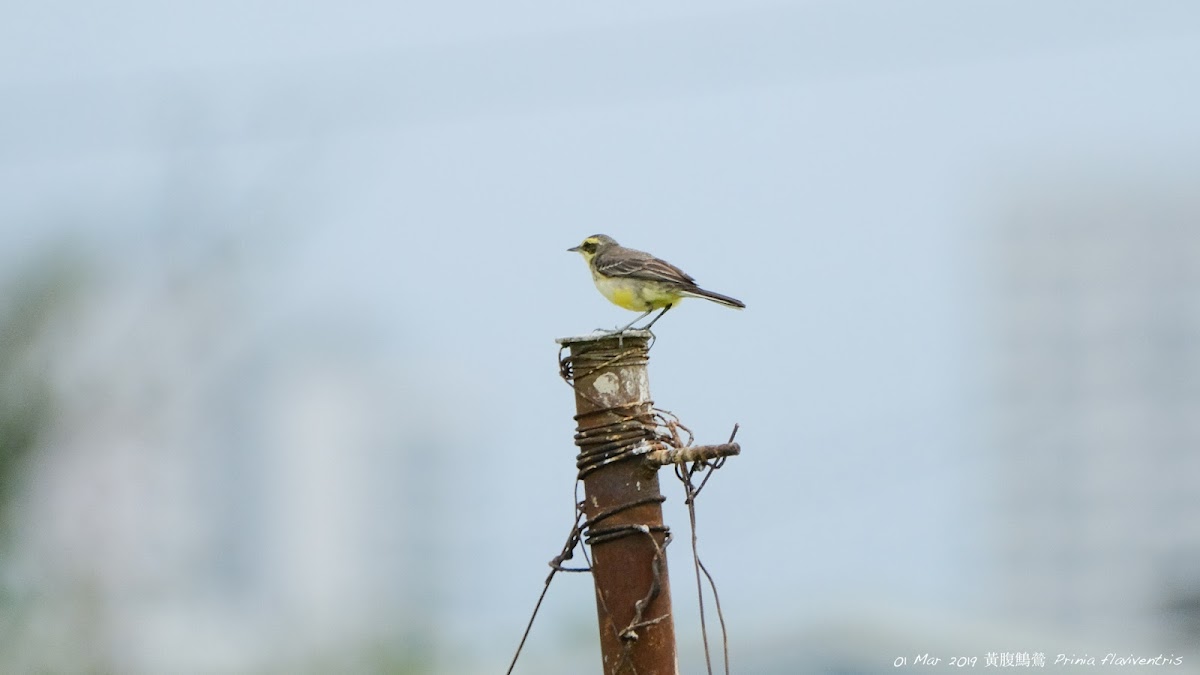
395,185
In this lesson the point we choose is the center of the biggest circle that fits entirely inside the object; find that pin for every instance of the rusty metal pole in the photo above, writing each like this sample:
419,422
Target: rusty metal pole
623,504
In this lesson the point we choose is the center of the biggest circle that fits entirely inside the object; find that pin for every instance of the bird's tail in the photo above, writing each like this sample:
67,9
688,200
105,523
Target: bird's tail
698,292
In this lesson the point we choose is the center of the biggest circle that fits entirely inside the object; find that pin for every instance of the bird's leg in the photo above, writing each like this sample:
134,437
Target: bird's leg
660,314
630,324
614,331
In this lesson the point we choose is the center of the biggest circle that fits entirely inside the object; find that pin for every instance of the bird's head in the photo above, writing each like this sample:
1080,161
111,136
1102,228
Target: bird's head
593,245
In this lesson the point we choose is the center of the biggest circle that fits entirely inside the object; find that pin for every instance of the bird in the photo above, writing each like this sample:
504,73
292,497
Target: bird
638,281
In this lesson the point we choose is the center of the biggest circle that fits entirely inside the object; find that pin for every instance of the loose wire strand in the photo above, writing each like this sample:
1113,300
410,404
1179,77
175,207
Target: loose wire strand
693,491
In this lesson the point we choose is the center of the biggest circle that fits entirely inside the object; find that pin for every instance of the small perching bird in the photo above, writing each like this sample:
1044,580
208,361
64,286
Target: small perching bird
637,281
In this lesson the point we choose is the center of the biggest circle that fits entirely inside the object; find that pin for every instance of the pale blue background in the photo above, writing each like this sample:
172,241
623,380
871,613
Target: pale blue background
308,403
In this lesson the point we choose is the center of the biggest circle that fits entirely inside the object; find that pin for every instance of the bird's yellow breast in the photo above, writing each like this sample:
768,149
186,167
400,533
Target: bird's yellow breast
635,294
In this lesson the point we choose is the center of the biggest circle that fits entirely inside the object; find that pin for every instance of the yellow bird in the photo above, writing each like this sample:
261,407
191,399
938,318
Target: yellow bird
640,282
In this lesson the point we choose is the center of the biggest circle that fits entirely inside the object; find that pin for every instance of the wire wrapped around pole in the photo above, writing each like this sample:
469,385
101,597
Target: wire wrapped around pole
616,426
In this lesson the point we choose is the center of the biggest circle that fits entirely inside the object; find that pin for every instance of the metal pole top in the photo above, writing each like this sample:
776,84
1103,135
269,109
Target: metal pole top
600,336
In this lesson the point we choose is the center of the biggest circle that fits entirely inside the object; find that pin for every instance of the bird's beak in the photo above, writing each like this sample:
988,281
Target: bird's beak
574,249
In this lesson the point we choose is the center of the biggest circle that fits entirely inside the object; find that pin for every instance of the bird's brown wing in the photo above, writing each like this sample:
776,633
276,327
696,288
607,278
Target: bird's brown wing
628,262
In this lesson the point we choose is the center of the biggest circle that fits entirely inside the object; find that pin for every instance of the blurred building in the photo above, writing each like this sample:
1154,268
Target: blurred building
1096,335
226,491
